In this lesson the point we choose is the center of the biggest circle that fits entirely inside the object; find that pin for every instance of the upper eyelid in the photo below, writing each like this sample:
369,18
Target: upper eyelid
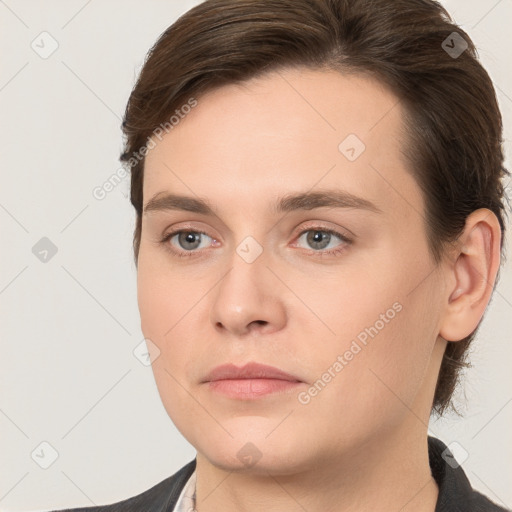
344,239
304,229
336,230
310,225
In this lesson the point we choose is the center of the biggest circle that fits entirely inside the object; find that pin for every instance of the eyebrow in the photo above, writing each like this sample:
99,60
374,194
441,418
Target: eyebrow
288,203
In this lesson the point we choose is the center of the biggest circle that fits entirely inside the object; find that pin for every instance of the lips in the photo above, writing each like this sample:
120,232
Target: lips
249,371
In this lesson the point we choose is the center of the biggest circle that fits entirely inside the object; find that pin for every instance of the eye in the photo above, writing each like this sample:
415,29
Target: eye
186,242
319,239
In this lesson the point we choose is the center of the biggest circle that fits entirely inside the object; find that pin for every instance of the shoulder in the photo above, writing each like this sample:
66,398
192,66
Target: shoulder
481,503
161,497
455,491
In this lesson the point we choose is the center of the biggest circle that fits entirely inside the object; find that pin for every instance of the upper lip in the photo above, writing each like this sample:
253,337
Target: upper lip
248,371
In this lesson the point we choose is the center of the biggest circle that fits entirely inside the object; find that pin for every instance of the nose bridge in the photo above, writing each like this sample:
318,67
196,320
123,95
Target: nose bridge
248,293
244,284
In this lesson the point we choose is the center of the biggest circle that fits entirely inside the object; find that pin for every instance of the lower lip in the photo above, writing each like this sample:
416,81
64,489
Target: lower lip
251,388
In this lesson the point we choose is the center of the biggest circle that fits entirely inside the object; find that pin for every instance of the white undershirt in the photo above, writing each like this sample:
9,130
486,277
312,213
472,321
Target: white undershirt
187,499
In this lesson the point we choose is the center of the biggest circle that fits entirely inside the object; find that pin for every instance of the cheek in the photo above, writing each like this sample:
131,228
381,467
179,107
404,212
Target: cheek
168,307
154,304
162,298
377,370
384,332
163,313
167,319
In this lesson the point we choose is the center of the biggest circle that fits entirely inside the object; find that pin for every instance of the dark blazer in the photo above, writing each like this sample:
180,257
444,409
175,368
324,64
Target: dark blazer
455,491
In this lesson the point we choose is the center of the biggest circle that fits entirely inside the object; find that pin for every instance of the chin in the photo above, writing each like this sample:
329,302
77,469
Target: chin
257,464
256,452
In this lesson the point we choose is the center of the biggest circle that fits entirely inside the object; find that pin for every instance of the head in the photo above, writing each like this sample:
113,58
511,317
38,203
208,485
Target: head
371,125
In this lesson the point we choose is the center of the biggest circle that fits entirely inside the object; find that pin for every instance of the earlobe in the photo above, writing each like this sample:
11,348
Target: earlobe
473,274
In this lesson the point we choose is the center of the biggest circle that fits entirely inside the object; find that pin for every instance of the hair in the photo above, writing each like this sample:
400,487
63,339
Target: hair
453,123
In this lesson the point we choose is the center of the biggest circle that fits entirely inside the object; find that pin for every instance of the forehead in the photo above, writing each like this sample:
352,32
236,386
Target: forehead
285,131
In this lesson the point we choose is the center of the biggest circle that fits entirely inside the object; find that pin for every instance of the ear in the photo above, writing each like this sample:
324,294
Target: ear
471,275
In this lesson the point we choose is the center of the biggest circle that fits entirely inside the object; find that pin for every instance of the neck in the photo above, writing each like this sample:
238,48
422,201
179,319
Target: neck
388,473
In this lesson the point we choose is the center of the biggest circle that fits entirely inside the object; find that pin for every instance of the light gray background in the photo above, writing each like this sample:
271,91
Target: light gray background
69,326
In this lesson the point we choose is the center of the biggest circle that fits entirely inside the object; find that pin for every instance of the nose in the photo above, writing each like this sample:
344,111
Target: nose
248,299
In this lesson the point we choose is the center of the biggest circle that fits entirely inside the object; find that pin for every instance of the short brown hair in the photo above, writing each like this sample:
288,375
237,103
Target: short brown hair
452,115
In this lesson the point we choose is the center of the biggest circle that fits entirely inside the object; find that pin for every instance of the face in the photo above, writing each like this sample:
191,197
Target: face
307,252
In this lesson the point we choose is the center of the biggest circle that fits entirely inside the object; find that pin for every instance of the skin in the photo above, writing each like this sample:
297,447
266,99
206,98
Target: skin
360,443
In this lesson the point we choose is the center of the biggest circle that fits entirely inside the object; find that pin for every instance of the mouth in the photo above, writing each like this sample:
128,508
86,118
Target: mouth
251,381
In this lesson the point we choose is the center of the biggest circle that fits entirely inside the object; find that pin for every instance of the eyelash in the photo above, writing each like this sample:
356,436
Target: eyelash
183,254
320,254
